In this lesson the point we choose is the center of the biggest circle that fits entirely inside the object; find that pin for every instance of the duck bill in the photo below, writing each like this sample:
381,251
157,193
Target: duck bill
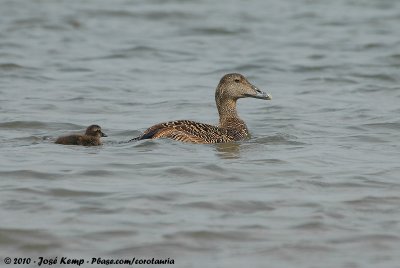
103,134
258,94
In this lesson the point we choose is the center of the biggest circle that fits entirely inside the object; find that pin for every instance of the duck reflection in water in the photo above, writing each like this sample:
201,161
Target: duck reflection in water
229,150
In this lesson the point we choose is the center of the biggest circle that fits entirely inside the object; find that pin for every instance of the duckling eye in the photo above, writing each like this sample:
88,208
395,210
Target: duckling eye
237,80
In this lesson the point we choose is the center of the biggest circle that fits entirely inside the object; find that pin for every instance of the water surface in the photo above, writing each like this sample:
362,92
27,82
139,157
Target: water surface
316,186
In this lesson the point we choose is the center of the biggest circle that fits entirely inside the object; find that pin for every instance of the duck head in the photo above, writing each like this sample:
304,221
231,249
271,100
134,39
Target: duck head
235,86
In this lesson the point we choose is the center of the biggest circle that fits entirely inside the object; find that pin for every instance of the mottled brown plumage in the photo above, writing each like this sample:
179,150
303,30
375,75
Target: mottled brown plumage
90,138
231,128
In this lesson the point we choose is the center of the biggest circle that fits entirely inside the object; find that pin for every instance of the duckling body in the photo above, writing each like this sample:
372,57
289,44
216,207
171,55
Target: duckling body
79,140
231,127
90,138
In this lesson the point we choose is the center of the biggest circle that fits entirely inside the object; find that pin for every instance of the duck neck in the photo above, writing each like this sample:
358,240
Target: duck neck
227,113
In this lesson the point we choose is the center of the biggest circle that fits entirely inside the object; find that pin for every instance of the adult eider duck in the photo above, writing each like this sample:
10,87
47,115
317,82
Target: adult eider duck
91,138
231,128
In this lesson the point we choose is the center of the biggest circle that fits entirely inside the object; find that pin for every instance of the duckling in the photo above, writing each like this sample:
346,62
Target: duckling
90,138
231,87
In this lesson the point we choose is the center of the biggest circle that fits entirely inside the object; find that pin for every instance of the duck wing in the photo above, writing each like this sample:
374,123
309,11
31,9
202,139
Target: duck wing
187,131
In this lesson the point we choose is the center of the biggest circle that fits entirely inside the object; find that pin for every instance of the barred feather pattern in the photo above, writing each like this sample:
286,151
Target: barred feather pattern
194,132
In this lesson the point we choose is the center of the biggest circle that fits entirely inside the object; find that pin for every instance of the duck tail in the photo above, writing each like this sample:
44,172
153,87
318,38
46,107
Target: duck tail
135,139
146,135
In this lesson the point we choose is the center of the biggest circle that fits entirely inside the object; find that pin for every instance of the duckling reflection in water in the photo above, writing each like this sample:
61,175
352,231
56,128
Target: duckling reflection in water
90,138
231,128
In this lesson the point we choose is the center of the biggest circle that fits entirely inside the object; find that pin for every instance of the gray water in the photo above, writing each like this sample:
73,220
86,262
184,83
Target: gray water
317,185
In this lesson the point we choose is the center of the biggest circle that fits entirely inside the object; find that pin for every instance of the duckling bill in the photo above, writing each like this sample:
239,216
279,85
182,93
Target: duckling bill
90,138
231,87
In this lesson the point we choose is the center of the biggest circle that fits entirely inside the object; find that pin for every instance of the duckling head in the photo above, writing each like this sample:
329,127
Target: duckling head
95,130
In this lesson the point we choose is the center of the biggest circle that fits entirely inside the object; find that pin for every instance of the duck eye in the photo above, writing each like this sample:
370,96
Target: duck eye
237,80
